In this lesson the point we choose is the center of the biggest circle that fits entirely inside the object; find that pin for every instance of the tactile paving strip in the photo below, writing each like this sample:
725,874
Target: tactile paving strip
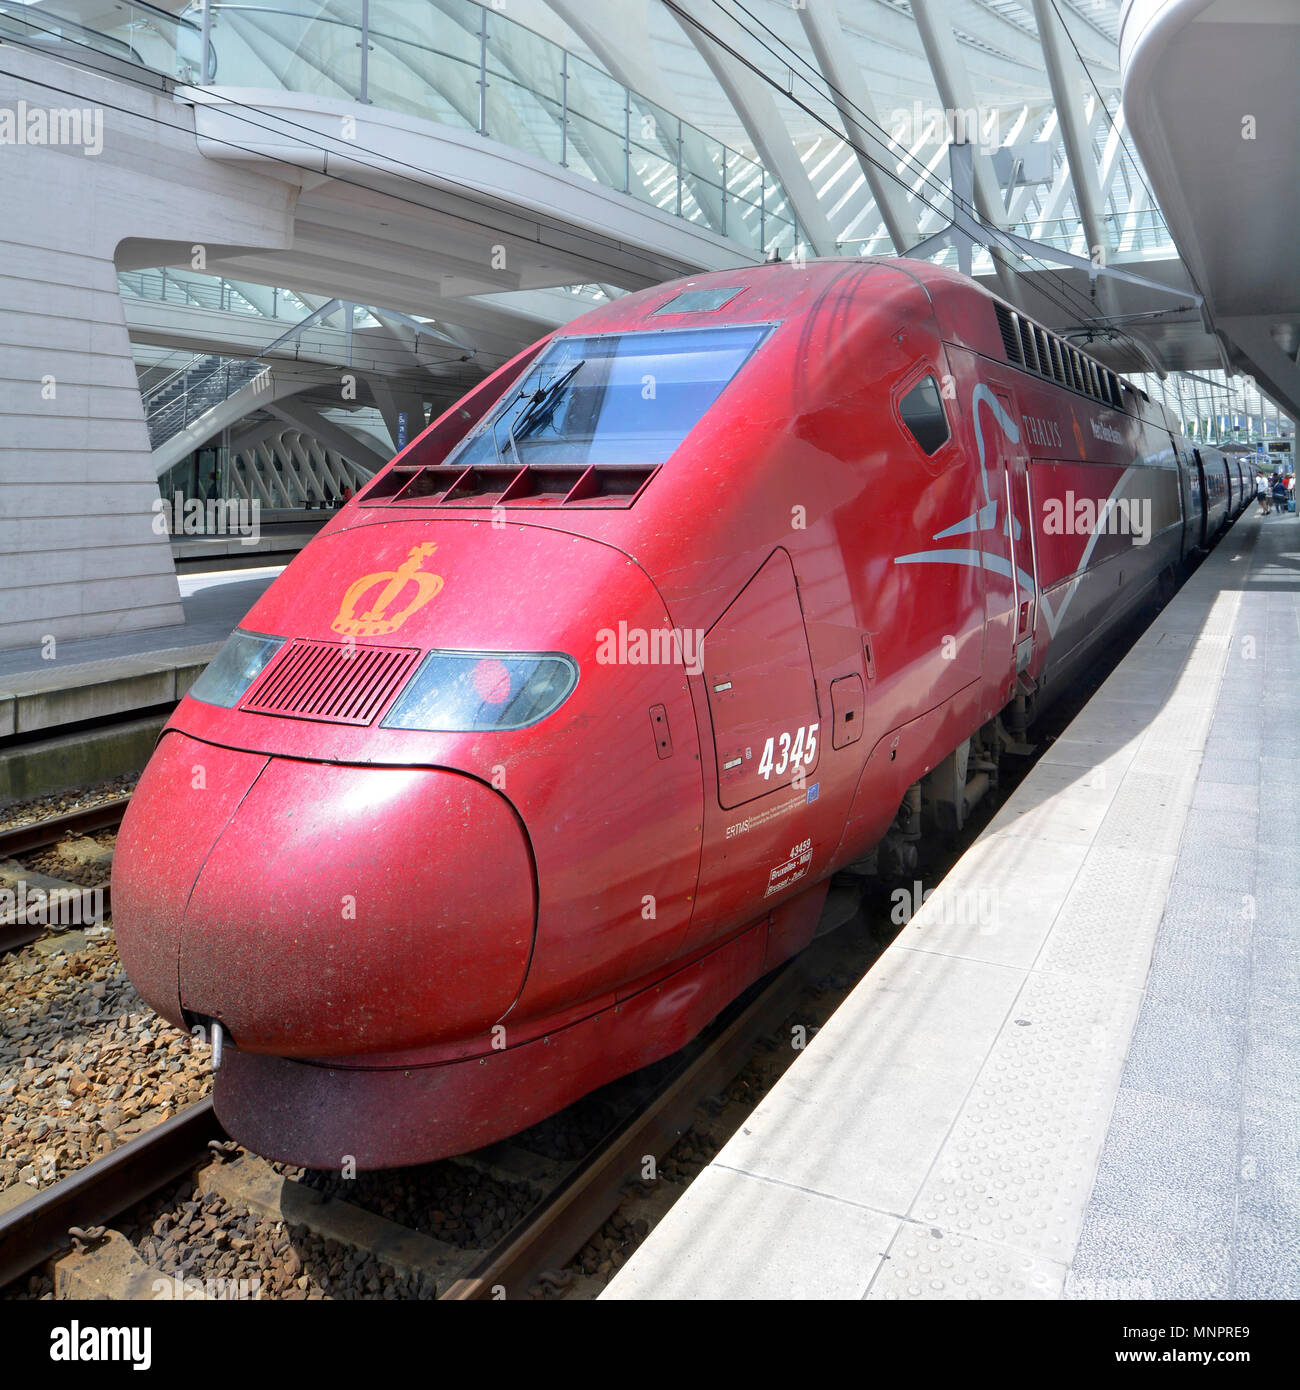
926,1263
1147,813
1001,906
1018,1165
1105,929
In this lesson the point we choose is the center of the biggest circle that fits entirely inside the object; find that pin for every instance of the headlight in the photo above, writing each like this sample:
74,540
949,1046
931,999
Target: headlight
235,667
463,692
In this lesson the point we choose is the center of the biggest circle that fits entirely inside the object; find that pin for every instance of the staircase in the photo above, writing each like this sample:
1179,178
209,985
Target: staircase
204,382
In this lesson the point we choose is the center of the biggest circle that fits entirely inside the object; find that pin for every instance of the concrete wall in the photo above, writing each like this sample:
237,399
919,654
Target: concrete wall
78,554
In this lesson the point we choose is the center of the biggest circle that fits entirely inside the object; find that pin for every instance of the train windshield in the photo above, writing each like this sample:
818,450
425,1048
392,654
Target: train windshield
611,398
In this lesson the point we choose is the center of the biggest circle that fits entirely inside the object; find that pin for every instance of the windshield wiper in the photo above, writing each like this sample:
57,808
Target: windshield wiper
496,420
536,399
547,395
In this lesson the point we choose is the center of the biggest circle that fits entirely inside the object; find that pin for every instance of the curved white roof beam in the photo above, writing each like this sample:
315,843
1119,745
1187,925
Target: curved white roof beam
625,55
304,417
752,100
1065,76
956,94
855,106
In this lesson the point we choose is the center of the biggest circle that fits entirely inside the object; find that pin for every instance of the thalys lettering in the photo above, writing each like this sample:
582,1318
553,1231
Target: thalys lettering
409,899
1045,433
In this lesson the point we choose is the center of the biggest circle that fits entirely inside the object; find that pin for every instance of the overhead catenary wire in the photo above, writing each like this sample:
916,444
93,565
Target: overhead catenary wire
864,118
1085,315
1006,247
351,148
1119,134
1092,82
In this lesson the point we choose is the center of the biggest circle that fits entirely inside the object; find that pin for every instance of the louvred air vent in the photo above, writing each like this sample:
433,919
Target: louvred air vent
1010,334
334,681
571,486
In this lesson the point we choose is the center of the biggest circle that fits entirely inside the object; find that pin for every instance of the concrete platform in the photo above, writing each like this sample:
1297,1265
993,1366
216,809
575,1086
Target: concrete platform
1072,1075
281,536
110,677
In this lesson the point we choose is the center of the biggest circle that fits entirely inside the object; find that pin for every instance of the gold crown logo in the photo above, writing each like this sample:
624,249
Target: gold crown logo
375,620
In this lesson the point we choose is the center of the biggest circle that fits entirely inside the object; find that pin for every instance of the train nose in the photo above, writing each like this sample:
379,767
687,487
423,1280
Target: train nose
336,910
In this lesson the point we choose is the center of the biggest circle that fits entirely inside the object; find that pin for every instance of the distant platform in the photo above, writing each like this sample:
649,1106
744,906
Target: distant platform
125,679
1072,1075
280,536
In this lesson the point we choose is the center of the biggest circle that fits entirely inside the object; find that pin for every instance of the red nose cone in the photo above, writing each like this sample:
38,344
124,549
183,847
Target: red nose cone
338,910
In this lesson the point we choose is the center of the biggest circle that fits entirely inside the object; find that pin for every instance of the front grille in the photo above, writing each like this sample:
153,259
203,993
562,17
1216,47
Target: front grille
338,682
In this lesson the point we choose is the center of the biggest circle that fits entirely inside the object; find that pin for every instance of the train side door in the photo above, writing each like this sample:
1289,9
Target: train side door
768,736
1189,496
1203,497
1021,548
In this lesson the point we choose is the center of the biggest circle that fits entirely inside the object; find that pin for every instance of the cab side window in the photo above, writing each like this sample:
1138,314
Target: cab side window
922,412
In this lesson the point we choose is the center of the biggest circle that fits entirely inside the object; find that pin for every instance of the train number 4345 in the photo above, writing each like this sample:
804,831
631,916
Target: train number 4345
785,752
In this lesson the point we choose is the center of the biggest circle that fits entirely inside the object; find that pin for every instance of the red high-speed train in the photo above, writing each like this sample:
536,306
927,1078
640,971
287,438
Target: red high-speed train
548,745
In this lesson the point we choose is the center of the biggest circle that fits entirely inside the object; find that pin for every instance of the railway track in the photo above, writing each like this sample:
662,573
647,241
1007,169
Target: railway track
580,1195
67,901
76,1214
560,1225
37,1229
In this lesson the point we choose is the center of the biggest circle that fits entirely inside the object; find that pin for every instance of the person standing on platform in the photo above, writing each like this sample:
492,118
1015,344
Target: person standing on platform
1279,492
1261,493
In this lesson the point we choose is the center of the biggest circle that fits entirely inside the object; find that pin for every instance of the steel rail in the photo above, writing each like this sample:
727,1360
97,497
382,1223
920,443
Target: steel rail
77,907
94,1194
24,839
15,930
564,1220
544,1242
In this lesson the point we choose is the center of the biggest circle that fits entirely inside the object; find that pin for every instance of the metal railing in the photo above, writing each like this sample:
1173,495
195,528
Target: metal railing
188,395
458,64
208,292
467,66
142,33
207,379
1142,231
